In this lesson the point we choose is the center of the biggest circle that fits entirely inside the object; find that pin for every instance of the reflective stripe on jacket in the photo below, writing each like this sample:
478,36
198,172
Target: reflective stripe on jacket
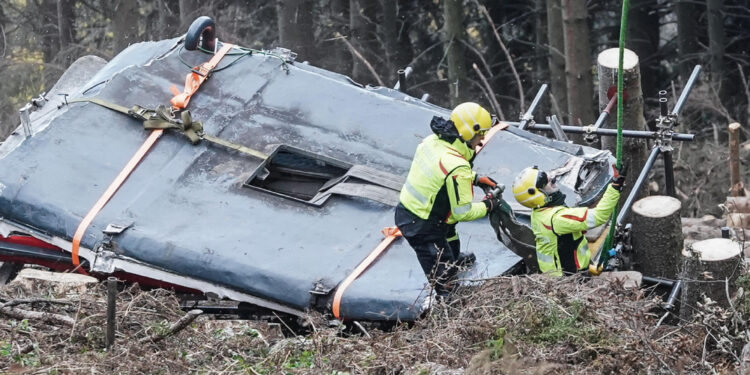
560,241
439,168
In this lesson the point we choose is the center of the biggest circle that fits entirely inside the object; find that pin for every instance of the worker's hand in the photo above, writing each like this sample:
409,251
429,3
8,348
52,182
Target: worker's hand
485,182
618,180
491,202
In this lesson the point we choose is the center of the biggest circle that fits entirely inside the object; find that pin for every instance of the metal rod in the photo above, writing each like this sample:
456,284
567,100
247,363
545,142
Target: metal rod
669,306
111,307
403,74
663,110
529,115
606,132
605,113
657,281
686,91
557,128
669,174
637,186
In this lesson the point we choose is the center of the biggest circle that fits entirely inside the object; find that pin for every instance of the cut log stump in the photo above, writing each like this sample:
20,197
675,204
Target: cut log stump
634,150
657,236
709,268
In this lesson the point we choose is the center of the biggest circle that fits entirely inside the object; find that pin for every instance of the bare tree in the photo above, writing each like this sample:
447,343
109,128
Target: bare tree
188,12
394,30
296,27
453,34
66,31
687,35
362,17
643,39
715,15
46,11
556,57
578,61
339,20
124,24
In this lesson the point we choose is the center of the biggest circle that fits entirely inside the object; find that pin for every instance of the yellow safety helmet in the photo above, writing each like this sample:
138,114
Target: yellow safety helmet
526,191
469,119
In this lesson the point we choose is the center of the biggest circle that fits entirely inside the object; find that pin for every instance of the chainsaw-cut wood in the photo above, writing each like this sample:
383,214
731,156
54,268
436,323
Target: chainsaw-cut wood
657,236
736,189
709,267
738,204
633,149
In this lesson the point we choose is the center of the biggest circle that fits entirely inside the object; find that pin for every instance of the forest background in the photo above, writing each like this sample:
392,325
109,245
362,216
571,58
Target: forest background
453,46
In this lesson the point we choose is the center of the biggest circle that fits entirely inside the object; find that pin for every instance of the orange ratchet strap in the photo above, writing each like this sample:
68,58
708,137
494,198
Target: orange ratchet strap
193,81
501,126
196,77
390,233
124,173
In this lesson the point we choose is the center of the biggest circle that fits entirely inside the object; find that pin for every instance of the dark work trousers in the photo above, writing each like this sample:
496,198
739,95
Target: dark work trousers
429,241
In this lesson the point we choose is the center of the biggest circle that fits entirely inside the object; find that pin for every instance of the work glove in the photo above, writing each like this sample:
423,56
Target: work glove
491,202
485,182
618,180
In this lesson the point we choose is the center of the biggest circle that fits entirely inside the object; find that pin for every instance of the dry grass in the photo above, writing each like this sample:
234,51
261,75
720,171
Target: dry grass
519,325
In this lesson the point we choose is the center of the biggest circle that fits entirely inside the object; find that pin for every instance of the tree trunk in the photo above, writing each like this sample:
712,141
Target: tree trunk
341,57
657,236
577,62
716,44
707,268
736,189
47,12
542,53
556,62
65,18
296,27
634,150
362,16
125,24
453,35
188,12
687,36
389,32
643,39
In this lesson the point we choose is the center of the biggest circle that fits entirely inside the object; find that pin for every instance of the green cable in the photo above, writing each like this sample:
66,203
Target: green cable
242,53
618,152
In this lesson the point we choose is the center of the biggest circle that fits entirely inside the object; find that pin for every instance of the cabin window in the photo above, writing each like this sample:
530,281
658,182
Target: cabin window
297,174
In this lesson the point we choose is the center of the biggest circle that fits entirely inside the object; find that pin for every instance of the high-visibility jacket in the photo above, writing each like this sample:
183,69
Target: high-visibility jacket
439,187
560,241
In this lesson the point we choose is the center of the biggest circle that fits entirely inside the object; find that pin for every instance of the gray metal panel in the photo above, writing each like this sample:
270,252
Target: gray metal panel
190,213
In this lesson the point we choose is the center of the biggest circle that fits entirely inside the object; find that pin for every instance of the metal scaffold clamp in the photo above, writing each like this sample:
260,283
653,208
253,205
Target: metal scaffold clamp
665,124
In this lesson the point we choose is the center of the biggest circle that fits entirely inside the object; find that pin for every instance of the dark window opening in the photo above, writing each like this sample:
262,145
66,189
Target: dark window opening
297,174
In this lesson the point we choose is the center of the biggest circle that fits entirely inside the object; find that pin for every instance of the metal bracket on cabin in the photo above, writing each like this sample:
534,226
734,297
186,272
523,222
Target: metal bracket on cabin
25,112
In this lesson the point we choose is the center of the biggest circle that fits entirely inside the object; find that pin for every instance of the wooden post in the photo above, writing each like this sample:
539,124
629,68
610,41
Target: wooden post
707,265
634,151
737,189
657,236
111,305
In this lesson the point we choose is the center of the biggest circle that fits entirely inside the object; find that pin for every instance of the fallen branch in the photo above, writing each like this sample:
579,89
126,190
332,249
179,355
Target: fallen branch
16,302
359,56
35,315
176,327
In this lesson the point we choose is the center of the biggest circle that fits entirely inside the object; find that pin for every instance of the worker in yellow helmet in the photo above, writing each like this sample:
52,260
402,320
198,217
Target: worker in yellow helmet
439,192
561,246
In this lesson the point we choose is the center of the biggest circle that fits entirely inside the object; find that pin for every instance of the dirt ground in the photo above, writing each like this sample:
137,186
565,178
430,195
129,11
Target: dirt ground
509,325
